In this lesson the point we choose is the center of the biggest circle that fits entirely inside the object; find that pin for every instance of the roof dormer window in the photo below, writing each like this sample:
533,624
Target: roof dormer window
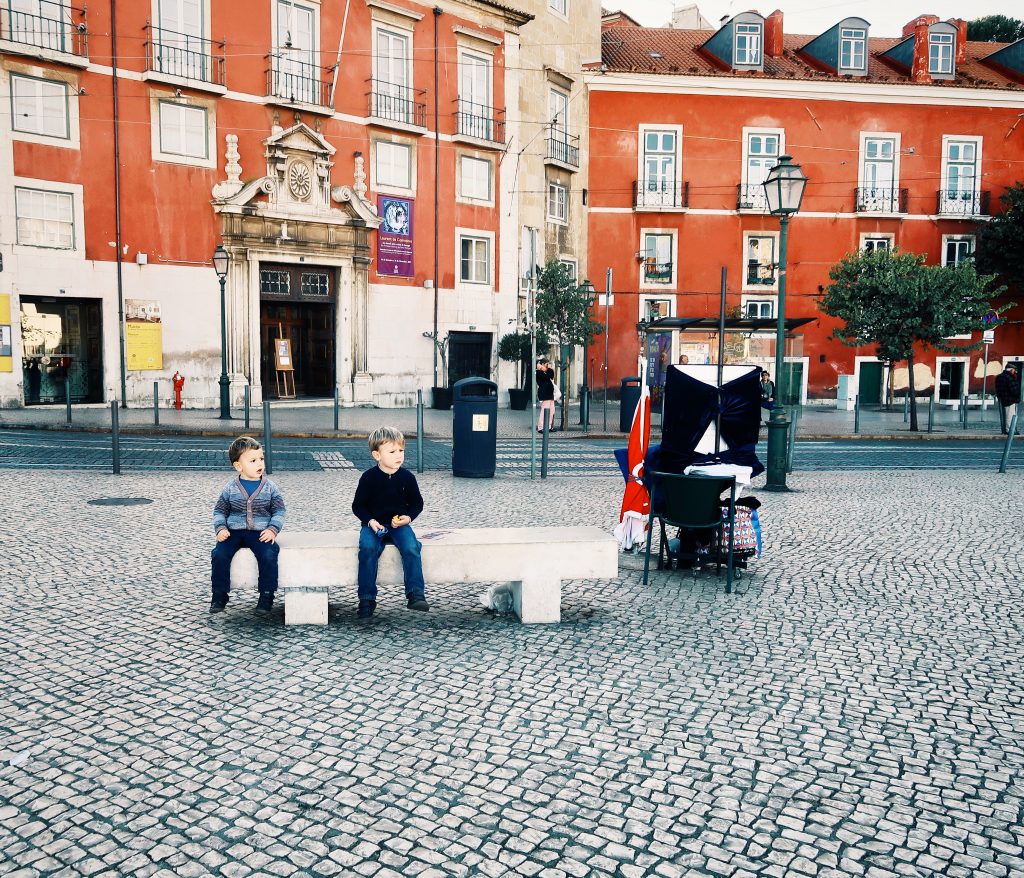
852,49
747,50
940,53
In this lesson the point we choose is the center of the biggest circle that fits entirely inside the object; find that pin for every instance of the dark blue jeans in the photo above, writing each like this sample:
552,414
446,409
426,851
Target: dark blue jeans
266,560
370,547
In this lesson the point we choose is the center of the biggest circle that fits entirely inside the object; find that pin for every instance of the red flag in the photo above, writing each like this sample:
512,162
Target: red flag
636,501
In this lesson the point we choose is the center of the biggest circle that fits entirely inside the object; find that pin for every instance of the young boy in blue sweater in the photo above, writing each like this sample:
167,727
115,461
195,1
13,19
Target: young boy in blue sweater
249,513
386,503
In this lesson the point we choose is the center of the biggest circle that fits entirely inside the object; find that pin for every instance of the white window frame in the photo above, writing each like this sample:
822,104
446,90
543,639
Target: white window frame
754,48
852,37
201,33
755,196
37,136
948,200
890,237
559,8
74,191
673,279
166,111
385,186
475,235
398,32
461,194
747,284
554,189
473,61
572,265
305,60
751,299
645,301
941,62
863,183
661,195
956,239
209,106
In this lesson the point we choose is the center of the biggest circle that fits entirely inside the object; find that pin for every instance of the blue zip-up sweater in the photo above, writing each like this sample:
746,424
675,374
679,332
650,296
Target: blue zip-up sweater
237,510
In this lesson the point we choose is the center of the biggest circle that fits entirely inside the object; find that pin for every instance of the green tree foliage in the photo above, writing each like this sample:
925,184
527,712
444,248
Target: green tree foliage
897,303
563,314
999,247
995,29
514,347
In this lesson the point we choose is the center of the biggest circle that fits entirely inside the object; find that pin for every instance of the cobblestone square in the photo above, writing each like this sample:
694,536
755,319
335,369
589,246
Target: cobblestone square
856,709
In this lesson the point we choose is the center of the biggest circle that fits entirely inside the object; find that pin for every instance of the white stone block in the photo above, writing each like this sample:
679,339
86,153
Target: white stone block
305,606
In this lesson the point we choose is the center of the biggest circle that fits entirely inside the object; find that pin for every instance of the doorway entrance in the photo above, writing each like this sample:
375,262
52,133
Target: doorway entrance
297,302
869,382
469,356
951,380
62,344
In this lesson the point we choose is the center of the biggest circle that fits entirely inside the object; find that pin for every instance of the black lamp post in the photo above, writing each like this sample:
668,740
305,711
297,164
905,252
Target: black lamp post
220,265
784,189
588,289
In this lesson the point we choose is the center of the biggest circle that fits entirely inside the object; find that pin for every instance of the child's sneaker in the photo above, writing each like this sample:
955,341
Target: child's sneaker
219,602
418,604
366,609
266,602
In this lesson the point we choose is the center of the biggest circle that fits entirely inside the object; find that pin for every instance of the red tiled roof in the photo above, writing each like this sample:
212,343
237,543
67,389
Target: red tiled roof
629,50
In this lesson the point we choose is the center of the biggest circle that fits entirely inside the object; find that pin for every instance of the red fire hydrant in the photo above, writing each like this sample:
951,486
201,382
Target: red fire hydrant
179,382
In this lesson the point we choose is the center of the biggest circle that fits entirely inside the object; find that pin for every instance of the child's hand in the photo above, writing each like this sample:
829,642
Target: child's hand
375,525
268,536
400,520
223,535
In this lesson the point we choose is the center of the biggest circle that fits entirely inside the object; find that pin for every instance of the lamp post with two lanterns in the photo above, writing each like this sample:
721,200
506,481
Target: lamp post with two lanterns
220,265
784,189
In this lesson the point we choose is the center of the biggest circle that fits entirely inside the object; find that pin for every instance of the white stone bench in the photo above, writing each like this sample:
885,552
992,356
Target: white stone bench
534,560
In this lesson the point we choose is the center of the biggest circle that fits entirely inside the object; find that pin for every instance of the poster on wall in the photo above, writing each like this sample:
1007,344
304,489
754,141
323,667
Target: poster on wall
143,334
394,237
6,351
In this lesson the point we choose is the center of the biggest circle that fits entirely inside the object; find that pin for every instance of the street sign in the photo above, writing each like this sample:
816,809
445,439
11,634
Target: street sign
989,318
988,336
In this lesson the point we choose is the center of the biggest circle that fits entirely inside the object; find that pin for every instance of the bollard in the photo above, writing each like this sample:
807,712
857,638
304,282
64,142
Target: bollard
337,412
931,413
856,413
791,443
906,408
246,402
115,438
67,395
267,436
965,412
156,403
419,431
1009,442
544,449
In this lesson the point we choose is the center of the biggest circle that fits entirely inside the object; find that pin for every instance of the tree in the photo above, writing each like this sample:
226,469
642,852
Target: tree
999,247
563,314
514,347
995,29
896,302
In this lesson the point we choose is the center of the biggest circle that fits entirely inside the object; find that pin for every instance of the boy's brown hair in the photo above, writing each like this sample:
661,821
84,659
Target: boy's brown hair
385,434
241,445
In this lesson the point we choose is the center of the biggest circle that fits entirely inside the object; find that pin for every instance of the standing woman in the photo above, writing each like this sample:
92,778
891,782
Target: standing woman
545,393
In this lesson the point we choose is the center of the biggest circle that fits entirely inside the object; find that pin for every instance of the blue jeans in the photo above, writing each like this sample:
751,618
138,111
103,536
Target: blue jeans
266,560
370,547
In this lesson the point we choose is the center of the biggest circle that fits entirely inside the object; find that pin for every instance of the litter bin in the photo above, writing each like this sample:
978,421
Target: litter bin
629,396
474,428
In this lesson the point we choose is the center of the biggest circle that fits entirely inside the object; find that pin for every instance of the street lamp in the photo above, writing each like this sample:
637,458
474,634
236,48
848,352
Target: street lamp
220,265
588,290
784,189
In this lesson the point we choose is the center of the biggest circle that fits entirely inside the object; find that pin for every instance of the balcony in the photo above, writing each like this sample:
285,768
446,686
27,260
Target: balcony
750,196
58,32
396,104
174,56
872,200
657,272
563,149
658,195
961,204
760,274
292,81
479,122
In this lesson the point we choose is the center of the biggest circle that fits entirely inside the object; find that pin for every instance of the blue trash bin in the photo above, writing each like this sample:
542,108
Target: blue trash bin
474,428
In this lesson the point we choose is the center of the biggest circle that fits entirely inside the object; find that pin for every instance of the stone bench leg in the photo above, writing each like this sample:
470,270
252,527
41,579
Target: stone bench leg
305,604
538,599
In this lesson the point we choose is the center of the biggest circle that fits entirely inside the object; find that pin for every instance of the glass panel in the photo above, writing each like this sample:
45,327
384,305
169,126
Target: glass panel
275,283
316,284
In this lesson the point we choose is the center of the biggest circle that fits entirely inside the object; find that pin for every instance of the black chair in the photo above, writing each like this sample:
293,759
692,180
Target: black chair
694,502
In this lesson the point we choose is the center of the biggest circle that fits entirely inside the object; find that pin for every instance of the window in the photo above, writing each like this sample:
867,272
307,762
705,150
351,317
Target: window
392,164
183,130
871,243
558,202
879,156
296,71
570,266
558,111
37,23
956,249
392,87
852,48
940,53
660,172
474,259
559,6
961,160
474,178
657,258
759,309
45,219
760,260
475,111
39,106
761,151
748,44
179,46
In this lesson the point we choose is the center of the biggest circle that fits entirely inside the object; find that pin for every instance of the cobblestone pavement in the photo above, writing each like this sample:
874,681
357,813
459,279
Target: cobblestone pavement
855,710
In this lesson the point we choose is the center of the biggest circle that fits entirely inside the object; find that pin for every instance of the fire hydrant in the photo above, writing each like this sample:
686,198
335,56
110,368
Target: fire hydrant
179,382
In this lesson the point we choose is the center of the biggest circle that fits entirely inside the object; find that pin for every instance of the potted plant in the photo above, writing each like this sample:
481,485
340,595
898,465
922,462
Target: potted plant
441,397
514,347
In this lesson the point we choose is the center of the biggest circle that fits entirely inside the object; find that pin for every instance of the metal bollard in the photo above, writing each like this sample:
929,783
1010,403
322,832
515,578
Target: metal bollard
246,402
67,395
115,438
267,449
856,413
544,448
419,431
337,409
965,412
906,408
791,440
1009,442
931,413
156,403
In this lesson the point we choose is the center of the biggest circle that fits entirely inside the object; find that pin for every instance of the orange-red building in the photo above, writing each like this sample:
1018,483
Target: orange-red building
907,142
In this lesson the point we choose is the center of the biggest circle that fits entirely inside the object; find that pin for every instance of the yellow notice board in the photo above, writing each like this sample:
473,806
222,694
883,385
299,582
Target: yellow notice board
143,335
6,340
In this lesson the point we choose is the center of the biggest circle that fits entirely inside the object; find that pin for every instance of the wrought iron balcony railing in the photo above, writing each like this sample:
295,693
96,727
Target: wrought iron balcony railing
396,103
952,202
296,81
56,26
184,55
871,199
479,121
657,272
564,147
750,196
760,273
661,194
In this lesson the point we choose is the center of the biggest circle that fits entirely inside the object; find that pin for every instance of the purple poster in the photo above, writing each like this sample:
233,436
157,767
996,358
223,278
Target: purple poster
394,237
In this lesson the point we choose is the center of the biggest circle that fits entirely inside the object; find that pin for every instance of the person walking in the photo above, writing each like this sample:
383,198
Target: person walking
545,393
1008,394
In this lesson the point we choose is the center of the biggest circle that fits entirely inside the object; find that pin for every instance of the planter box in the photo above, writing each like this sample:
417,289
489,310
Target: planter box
441,398
518,399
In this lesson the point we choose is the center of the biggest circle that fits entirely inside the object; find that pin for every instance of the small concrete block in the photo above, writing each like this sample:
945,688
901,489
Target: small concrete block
538,600
305,606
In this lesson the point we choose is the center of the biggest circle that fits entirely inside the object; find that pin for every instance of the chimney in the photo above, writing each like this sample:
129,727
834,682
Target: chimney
773,34
919,66
911,26
961,39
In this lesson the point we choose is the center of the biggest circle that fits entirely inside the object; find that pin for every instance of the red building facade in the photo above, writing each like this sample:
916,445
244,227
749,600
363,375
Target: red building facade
907,142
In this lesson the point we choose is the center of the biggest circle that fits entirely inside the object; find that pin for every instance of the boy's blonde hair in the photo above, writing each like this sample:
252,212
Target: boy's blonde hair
241,445
382,435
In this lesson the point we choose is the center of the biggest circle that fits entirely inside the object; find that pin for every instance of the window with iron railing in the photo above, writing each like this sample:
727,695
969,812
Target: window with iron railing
761,260
564,147
396,103
44,24
180,54
656,257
